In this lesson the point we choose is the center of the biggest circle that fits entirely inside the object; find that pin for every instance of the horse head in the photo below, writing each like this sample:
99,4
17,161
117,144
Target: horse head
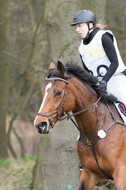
56,102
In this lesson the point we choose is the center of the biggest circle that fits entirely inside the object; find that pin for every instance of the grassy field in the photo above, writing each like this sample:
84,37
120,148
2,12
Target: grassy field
16,174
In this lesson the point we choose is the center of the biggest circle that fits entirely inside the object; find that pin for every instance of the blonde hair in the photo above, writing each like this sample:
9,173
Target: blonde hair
100,26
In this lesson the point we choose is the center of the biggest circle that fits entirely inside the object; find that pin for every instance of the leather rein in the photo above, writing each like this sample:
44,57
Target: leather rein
88,142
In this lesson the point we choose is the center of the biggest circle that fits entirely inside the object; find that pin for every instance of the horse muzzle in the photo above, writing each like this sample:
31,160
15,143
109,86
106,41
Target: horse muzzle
43,128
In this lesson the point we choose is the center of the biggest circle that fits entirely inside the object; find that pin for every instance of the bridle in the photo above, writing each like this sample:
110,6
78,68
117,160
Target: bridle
61,105
83,138
65,115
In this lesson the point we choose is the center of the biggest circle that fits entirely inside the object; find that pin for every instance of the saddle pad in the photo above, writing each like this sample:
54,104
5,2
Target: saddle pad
120,113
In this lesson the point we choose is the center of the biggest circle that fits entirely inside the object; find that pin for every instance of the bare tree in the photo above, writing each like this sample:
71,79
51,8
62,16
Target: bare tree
25,57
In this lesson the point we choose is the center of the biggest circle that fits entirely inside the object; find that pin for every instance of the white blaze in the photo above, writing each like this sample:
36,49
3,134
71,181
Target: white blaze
46,93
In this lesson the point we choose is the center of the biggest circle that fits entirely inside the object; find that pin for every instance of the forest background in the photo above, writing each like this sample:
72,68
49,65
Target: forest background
33,32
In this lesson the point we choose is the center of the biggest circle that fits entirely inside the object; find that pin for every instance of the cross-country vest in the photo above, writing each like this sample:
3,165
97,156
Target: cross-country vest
95,58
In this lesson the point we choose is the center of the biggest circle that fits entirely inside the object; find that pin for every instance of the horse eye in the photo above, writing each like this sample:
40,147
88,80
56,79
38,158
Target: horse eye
58,93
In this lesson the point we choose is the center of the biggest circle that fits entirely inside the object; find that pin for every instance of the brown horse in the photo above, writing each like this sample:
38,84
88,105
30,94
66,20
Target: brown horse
102,143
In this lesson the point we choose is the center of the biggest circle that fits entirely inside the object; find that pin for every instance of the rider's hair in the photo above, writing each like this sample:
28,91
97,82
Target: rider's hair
100,26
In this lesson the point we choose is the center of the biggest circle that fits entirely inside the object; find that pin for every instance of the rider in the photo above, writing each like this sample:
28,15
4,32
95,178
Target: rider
100,55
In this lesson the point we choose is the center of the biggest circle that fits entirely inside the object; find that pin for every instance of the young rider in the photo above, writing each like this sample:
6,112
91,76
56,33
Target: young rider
100,55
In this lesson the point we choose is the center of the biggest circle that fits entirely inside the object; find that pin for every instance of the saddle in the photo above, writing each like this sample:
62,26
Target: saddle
122,108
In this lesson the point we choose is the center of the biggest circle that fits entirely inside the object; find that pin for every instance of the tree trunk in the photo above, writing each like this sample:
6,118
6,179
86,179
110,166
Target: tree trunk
57,166
116,21
4,17
57,163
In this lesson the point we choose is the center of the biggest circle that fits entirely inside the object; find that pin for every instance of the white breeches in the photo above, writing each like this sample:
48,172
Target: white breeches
117,87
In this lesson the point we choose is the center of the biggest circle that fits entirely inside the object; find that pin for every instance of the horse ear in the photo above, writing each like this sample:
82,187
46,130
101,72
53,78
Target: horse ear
60,68
52,66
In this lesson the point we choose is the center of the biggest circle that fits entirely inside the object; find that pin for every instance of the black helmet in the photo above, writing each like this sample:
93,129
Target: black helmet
84,16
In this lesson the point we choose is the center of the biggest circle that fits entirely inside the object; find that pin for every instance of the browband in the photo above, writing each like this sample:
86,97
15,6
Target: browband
57,78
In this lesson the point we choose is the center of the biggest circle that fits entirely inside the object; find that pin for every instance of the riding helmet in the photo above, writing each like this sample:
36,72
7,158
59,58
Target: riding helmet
84,16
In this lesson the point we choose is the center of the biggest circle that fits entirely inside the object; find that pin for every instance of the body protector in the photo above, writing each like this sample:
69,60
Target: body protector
95,58
97,62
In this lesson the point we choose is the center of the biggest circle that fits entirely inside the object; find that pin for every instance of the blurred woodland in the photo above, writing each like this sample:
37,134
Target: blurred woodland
33,32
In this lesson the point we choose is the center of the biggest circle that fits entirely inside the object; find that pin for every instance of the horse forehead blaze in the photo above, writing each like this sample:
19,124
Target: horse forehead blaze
48,86
55,86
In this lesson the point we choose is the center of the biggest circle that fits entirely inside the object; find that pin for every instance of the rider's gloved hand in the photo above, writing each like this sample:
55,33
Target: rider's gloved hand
103,84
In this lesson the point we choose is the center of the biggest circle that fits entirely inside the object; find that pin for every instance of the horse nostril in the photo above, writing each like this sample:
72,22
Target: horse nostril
42,126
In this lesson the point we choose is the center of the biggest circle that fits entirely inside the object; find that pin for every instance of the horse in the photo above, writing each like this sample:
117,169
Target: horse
69,92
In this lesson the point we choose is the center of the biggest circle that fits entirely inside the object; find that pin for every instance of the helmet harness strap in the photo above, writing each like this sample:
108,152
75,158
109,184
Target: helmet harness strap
89,29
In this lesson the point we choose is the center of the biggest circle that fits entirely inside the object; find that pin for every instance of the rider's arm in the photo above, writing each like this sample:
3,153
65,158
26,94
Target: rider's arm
107,42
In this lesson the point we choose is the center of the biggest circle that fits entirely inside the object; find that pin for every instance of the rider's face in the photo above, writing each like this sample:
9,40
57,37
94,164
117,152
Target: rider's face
82,29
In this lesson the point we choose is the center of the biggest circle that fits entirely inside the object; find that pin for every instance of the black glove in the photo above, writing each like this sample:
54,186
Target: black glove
103,84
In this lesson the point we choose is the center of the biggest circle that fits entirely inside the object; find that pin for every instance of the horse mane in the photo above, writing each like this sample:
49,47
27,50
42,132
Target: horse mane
73,69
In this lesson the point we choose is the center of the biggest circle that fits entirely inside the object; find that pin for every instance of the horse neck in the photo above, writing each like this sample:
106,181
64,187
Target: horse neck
85,96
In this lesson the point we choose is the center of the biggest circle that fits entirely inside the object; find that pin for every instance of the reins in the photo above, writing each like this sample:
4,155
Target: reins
79,112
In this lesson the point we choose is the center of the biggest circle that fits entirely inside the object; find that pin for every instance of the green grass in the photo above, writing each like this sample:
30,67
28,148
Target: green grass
4,162
16,174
